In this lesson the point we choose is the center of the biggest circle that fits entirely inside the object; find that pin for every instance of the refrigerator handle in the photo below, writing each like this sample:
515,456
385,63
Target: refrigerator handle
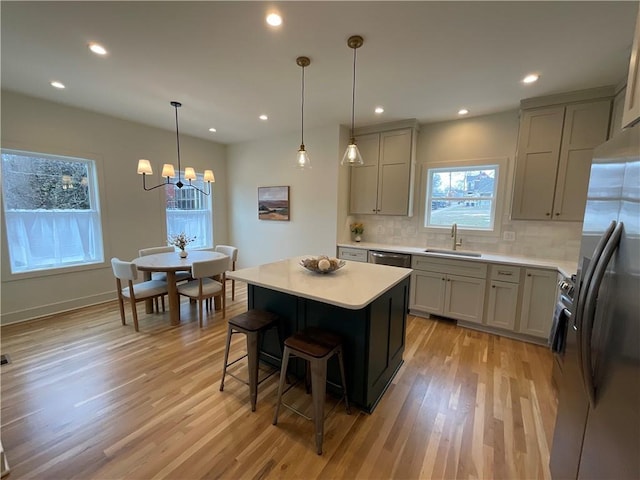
583,288
589,311
586,280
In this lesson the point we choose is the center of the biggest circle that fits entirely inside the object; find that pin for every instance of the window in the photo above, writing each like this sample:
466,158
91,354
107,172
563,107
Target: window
189,211
465,195
51,211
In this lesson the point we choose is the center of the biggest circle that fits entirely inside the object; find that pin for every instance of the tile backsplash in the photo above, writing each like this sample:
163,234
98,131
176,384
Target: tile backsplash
533,239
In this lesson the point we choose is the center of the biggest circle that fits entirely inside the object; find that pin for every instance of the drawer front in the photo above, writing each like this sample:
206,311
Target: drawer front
354,254
454,267
505,273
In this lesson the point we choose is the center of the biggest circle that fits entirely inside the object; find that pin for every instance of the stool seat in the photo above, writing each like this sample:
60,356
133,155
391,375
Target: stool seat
313,342
253,320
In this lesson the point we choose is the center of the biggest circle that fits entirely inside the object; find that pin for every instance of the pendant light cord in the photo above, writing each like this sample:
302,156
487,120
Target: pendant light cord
353,92
302,113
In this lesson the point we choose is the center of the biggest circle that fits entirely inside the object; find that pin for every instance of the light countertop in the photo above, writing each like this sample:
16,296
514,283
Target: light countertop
564,267
353,286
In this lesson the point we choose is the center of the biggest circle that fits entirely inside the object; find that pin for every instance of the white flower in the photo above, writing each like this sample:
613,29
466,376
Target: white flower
181,240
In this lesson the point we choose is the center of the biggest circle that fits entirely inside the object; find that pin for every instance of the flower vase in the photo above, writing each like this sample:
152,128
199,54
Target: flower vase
183,254
357,238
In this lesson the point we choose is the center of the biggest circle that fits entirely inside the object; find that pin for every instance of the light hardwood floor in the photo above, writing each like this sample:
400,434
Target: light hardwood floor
86,397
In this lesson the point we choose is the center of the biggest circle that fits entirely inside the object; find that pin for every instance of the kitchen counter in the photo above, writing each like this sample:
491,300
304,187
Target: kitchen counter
564,267
354,286
365,304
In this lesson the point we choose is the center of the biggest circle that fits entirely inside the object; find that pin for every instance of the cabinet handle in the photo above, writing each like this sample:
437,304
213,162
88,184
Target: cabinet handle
493,286
528,274
443,279
503,272
373,210
548,214
557,213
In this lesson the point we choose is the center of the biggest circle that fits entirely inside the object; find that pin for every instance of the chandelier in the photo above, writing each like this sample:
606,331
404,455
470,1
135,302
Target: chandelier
168,172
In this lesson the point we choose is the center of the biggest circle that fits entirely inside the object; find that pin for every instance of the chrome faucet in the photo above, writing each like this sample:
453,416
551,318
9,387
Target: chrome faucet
454,235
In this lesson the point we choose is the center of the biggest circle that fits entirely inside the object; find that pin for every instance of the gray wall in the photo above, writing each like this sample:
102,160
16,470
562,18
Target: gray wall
311,229
131,217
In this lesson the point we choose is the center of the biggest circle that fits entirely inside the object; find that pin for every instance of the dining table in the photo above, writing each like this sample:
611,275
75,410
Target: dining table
170,263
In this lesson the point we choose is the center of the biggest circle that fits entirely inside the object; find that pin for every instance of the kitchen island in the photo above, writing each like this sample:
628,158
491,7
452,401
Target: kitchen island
364,303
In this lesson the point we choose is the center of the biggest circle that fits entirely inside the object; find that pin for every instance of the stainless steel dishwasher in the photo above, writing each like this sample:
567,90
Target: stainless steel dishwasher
390,258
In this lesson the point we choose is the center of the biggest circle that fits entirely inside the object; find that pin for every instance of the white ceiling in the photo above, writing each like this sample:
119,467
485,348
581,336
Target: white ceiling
422,60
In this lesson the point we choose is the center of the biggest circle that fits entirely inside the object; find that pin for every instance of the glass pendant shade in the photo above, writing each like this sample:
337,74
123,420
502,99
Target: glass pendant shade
303,160
352,155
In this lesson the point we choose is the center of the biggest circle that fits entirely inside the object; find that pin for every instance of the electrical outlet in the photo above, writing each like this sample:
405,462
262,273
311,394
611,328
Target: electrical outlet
509,236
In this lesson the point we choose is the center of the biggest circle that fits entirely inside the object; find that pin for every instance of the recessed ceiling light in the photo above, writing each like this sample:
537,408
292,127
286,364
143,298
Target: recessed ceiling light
263,117
379,110
274,19
58,85
97,49
532,77
463,111
213,130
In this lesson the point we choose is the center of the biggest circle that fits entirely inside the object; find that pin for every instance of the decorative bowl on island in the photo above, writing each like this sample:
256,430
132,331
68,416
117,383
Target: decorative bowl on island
322,264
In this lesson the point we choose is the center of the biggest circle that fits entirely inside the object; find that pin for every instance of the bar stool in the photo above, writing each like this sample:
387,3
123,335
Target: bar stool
316,346
253,323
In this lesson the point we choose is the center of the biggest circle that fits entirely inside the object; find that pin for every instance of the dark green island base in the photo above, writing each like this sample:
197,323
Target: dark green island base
374,337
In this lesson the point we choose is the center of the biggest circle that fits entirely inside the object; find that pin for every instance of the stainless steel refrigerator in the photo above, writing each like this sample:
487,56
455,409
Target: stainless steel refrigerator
597,432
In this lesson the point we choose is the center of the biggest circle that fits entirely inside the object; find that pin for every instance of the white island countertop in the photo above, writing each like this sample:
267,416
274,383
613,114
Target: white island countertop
353,286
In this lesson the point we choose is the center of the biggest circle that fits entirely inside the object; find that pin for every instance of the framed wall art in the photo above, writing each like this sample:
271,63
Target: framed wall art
273,203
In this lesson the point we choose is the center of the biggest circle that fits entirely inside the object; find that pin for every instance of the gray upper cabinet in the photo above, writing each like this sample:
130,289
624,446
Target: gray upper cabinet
384,184
631,113
555,146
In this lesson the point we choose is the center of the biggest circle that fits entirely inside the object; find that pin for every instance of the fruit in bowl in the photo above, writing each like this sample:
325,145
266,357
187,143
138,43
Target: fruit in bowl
322,264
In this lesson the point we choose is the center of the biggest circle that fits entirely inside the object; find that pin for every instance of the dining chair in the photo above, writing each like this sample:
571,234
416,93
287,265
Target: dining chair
180,276
203,286
128,272
232,253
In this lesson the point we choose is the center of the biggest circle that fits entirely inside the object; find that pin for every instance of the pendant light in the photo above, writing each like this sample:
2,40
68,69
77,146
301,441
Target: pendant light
144,168
352,155
302,158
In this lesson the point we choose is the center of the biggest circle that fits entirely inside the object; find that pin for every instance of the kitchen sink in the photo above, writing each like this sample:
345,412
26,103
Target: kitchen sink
453,252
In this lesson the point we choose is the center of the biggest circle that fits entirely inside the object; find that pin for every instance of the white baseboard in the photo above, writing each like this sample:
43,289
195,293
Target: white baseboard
54,308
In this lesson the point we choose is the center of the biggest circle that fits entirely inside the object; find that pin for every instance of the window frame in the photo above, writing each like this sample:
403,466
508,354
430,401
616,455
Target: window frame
468,164
98,197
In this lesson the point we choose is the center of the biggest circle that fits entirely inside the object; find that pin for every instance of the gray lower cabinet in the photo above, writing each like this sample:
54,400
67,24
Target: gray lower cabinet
504,299
450,288
538,302
502,296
